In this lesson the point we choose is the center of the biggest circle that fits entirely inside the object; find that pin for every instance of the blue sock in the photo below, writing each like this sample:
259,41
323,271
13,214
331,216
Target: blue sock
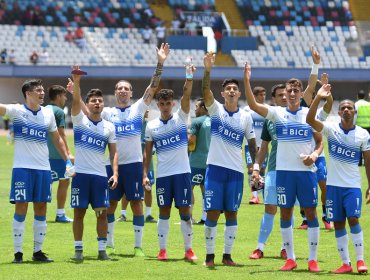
267,223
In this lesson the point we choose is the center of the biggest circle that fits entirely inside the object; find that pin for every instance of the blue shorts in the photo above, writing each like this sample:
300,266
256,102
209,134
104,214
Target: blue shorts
130,182
342,203
321,172
269,193
151,177
296,184
30,185
223,189
89,189
197,176
175,187
248,158
58,169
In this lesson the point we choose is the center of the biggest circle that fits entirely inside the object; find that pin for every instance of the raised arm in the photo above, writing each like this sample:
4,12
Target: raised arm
208,62
312,80
76,100
257,107
324,79
188,87
70,89
162,54
323,92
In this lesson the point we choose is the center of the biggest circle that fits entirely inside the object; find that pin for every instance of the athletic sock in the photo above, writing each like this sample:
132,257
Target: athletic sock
210,235
313,231
287,236
102,243
231,227
138,222
341,237
163,228
39,232
266,226
110,233
18,232
187,231
357,237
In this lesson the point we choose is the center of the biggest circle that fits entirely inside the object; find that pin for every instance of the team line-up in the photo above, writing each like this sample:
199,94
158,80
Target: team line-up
295,127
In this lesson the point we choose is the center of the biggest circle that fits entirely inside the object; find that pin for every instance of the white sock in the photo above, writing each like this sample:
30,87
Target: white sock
18,234
187,233
110,235
138,232
39,233
204,213
229,235
342,246
255,194
210,235
287,236
61,212
79,245
123,212
313,242
261,246
358,242
102,244
163,228
148,211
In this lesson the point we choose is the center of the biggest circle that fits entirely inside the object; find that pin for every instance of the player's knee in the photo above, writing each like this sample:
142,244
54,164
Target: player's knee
353,221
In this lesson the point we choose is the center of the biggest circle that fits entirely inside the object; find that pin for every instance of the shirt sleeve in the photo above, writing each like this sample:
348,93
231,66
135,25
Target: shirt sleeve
265,135
148,133
112,134
78,118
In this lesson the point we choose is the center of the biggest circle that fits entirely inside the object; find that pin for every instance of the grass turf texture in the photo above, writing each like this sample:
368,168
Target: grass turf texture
60,246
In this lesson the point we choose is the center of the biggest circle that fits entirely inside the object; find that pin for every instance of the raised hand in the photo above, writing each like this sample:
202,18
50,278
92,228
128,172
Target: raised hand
324,79
315,55
76,77
247,72
208,61
324,91
162,52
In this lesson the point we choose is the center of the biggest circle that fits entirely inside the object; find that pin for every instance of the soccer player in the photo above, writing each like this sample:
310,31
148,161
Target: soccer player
128,122
294,176
270,198
225,172
343,198
92,135
31,176
199,138
58,98
168,134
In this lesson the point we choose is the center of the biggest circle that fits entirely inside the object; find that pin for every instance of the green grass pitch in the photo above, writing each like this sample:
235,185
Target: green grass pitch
59,245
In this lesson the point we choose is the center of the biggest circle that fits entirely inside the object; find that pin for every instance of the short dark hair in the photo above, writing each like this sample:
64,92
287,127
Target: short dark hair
93,92
165,94
295,82
346,101
29,85
201,103
229,81
122,81
275,88
257,90
56,90
361,94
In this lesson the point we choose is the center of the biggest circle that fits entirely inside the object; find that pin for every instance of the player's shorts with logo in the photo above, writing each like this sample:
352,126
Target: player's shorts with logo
197,176
321,172
296,184
130,177
342,203
89,189
223,189
175,187
30,185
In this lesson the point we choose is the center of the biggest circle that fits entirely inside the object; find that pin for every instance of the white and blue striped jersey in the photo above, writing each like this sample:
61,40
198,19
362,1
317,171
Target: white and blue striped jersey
128,123
258,121
171,143
91,139
228,130
345,148
31,136
321,116
294,137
